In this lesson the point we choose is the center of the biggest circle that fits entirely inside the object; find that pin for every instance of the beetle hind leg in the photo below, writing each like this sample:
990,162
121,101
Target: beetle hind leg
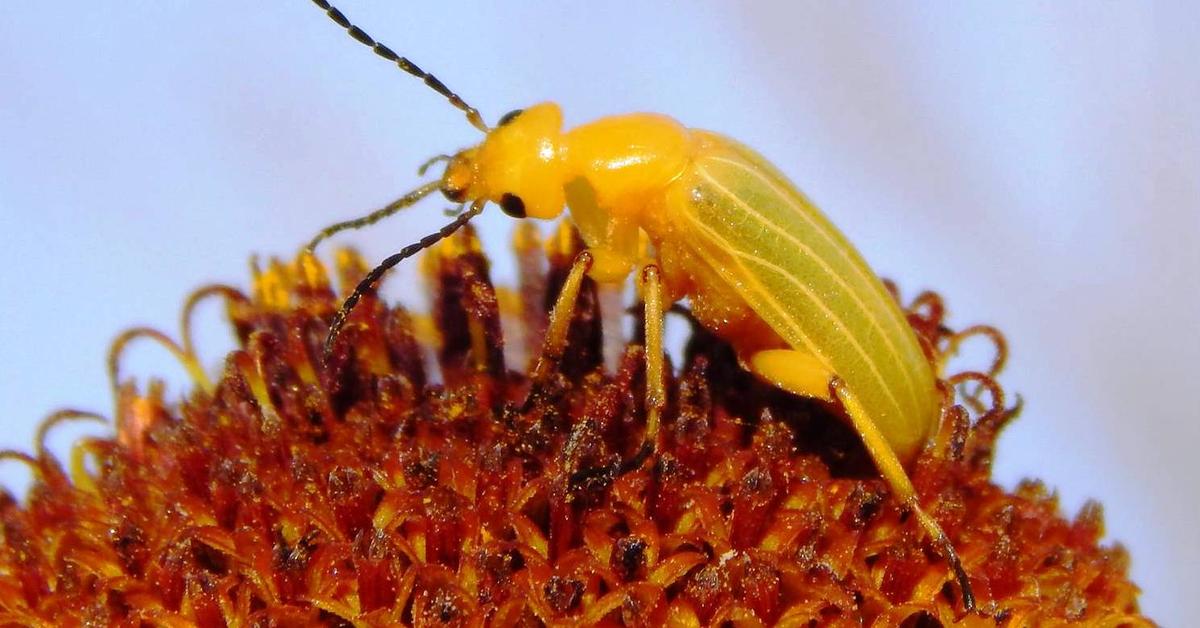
803,374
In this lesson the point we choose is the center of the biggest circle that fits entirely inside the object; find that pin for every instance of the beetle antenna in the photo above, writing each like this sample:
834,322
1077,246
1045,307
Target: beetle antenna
368,283
404,64
430,162
404,201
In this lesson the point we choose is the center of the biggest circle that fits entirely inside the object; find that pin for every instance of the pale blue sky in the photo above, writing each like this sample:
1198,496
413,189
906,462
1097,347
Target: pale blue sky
1035,164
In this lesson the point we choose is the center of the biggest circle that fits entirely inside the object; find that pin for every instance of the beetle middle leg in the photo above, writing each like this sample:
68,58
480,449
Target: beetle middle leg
650,279
656,394
803,374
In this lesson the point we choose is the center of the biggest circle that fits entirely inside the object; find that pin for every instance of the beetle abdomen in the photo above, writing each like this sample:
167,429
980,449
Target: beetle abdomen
775,250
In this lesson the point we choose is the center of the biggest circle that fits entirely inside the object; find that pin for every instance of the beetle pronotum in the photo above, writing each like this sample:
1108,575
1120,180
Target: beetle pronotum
762,267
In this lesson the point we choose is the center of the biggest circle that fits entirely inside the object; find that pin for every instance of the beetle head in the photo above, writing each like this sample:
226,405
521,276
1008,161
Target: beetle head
518,166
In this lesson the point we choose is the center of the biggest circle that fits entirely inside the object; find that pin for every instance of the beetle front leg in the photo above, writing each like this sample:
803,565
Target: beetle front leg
804,374
559,325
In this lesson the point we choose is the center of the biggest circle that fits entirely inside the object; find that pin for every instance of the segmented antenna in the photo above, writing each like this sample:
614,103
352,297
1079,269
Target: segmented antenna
368,282
401,203
404,64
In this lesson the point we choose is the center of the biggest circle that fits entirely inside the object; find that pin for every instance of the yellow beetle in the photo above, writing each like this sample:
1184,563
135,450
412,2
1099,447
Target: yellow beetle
763,268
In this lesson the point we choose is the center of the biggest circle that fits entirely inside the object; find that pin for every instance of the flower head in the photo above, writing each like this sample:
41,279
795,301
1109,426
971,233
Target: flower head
417,476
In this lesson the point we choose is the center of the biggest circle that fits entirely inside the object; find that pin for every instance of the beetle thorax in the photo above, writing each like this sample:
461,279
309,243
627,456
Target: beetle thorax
617,170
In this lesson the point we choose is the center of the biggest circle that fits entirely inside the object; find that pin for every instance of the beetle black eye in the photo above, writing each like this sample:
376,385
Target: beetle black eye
509,117
512,205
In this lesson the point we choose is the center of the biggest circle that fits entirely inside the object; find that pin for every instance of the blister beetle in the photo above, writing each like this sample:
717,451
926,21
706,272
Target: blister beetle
762,267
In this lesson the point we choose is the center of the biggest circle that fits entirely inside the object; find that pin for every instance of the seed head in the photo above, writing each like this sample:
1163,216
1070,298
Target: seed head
417,476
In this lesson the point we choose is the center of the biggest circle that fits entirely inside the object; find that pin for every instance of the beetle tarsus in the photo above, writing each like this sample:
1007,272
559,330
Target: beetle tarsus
610,472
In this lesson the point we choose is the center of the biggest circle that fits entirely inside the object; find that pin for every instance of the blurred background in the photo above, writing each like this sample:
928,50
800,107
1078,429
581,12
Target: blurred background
1035,164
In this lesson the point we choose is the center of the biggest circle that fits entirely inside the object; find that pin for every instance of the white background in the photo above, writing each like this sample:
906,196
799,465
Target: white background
1037,166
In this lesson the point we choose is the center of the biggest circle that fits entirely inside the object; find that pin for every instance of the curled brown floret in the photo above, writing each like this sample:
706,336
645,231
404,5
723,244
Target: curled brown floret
414,478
